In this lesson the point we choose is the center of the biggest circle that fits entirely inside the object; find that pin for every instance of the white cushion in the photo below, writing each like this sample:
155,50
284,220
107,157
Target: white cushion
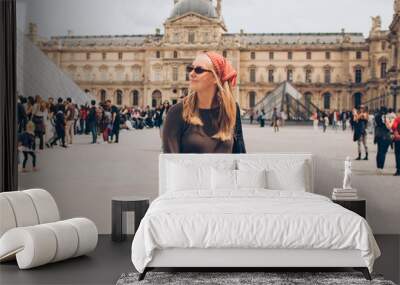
7,215
188,174
282,174
223,179
23,208
251,178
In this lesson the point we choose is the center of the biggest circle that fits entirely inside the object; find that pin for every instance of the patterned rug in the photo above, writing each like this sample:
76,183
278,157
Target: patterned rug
243,278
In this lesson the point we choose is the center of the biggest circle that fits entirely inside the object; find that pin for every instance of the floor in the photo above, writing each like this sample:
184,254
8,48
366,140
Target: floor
110,260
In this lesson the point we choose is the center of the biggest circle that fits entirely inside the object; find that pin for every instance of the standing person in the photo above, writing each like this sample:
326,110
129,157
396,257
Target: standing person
163,115
59,122
251,116
38,117
116,123
92,121
343,118
382,138
208,120
396,139
70,121
21,115
314,118
107,121
360,122
335,118
26,143
275,119
29,106
83,113
262,118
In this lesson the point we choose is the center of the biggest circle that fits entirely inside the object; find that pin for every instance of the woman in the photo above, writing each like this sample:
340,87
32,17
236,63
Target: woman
38,116
382,138
360,122
163,115
208,119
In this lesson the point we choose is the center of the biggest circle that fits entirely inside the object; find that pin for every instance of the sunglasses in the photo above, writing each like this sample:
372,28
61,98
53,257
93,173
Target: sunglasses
197,69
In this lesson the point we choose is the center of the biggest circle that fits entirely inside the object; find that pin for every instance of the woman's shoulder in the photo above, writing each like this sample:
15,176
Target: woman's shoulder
176,109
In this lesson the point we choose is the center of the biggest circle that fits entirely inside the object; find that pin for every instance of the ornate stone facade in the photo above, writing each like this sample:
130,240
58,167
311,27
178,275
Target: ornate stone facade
333,70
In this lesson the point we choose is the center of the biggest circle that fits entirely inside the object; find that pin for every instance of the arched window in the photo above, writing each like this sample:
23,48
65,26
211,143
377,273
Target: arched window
327,75
103,95
156,98
357,99
252,99
327,101
358,75
383,69
191,37
135,98
252,75
119,97
175,54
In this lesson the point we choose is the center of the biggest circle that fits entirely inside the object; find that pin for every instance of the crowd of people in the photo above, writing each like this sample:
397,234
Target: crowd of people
56,123
382,124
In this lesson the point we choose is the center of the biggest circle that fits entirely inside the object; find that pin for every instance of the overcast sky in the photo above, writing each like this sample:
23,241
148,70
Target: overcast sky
118,17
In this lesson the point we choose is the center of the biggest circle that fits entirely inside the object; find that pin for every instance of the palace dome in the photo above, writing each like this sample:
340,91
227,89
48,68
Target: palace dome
202,7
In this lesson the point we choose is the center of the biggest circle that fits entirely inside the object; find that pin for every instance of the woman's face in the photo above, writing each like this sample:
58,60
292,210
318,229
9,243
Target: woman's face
205,80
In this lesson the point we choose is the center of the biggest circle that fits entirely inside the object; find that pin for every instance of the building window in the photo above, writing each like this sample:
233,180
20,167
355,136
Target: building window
308,75
271,76
174,74
327,75
104,55
290,55
289,75
327,55
327,101
309,55
383,69
358,55
358,78
119,97
175,54
187,76
120,55
253,55
271,55
103,96
252,99
158,54
88,56
191,37
135,98
225,53
253,75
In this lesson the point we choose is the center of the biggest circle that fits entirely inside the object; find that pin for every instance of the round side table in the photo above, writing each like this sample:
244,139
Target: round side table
122,204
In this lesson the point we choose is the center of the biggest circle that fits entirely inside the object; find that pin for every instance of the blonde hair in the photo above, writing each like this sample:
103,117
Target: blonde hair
30,127
227,109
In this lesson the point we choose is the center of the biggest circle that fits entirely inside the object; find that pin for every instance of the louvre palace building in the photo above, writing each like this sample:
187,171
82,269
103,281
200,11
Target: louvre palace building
331,70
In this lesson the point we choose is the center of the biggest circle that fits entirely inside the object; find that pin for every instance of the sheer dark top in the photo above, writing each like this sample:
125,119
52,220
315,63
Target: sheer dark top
181,137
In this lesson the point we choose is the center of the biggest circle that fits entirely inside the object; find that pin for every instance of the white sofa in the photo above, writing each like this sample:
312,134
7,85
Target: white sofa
31,231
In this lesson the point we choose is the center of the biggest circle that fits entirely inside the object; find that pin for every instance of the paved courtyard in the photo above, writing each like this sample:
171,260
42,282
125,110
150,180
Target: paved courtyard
84,177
